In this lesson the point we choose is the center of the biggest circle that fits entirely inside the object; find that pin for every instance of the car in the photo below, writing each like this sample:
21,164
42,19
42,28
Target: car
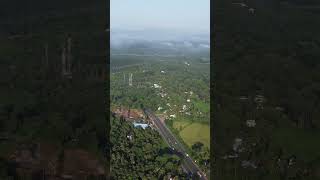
187,155
199,174
175,142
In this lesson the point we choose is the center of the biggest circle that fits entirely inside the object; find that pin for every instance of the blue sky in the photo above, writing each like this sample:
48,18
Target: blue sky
175,15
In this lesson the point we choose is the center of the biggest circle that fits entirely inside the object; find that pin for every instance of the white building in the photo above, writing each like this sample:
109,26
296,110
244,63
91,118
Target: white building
172,116
157,86
184,107
251,123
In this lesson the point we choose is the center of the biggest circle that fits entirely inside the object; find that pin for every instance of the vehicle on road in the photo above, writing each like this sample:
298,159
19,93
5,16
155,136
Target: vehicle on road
199,174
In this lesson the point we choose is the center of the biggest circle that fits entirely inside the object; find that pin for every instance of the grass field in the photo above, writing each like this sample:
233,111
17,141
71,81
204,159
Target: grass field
193,132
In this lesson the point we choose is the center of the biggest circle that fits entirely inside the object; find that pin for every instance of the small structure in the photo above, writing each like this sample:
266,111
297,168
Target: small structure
278,108
236,145
163,94
163,72
157,86
142,125
231,156
251,10
247,164
184,107
251,123
188,100
129,137
241,4
243,98
130,79
172,116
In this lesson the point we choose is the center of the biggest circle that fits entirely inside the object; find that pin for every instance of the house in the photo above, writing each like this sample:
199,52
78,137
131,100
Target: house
251,123
172,116
129,137
251,10
157,86
184,107
237,144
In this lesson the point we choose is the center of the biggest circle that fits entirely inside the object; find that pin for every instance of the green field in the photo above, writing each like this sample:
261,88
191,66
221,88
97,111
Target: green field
193,132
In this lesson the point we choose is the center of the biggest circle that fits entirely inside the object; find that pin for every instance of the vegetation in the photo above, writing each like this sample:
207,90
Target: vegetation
141,154
166,85
38,104
266,119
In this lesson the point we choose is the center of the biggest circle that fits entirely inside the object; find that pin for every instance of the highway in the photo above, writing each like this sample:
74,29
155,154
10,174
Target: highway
188,163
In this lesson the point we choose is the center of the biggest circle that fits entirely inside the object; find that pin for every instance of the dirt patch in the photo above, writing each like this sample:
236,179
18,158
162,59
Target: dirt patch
127,113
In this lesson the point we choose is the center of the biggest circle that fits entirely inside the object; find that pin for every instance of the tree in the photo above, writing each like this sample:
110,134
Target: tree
197,146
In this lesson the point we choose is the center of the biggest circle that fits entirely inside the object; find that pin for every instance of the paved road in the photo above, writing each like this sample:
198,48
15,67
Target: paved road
172,141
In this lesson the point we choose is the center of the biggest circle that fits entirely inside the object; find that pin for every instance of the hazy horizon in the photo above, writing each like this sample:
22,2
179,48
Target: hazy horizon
178,16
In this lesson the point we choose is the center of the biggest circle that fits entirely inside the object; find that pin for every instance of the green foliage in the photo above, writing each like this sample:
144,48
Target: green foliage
141,156
276,58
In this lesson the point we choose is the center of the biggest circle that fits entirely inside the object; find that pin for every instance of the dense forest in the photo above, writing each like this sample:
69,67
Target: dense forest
141,153
266,91
52,109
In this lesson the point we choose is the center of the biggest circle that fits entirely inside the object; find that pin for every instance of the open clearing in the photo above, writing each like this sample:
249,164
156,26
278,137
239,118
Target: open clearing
193,132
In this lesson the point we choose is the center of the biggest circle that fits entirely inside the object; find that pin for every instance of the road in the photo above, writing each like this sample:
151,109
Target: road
172,141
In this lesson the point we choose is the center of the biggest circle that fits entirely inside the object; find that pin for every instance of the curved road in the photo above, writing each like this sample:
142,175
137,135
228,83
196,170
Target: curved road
167,135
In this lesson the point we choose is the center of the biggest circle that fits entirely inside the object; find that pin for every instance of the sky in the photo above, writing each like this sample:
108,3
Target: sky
173,15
